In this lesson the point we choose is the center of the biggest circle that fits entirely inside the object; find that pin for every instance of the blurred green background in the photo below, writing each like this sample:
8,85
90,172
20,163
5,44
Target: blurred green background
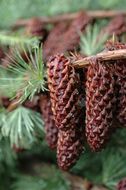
11,10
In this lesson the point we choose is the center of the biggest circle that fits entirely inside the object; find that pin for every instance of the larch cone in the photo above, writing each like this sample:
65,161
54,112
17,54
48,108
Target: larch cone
100,104
63,83
65,92
120,77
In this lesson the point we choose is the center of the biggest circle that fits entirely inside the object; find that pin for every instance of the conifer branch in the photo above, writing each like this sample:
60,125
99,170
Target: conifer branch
22,126
70,16
90,42
103,56
28,78
13,39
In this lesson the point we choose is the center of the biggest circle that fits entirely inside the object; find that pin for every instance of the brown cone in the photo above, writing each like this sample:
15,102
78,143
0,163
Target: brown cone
53,39
100,103
64,88
64,38
120,76
116,26
121,95
50,128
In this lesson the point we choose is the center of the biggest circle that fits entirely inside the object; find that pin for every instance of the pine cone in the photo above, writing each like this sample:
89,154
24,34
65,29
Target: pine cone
53,39
50,128
121,95
66,39
72,38
64,88
122,184
100,104
120,76
69,147
117,26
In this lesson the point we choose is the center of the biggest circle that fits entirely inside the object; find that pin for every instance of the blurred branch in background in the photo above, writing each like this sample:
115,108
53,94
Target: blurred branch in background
71,16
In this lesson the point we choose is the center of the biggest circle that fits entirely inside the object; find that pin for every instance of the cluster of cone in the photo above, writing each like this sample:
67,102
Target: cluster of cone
63,108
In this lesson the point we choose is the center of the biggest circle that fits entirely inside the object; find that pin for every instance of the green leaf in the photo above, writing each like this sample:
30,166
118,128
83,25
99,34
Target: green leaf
90,43
21,126
23,77
113,167
14,39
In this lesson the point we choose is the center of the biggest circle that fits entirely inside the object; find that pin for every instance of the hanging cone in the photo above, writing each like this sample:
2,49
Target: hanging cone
121,95
116,26
64,88
100,104
50,128
66,99
53,39
120,76
67,37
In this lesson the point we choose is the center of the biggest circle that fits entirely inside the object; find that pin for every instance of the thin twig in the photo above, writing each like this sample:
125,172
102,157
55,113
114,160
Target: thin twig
71,16
103,56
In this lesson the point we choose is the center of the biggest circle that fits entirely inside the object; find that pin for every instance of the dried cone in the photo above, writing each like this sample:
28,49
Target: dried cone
122,184
50,128
120,75
69,147
116,26
65,38
121,96
53,39
64,88
72,38
100,104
